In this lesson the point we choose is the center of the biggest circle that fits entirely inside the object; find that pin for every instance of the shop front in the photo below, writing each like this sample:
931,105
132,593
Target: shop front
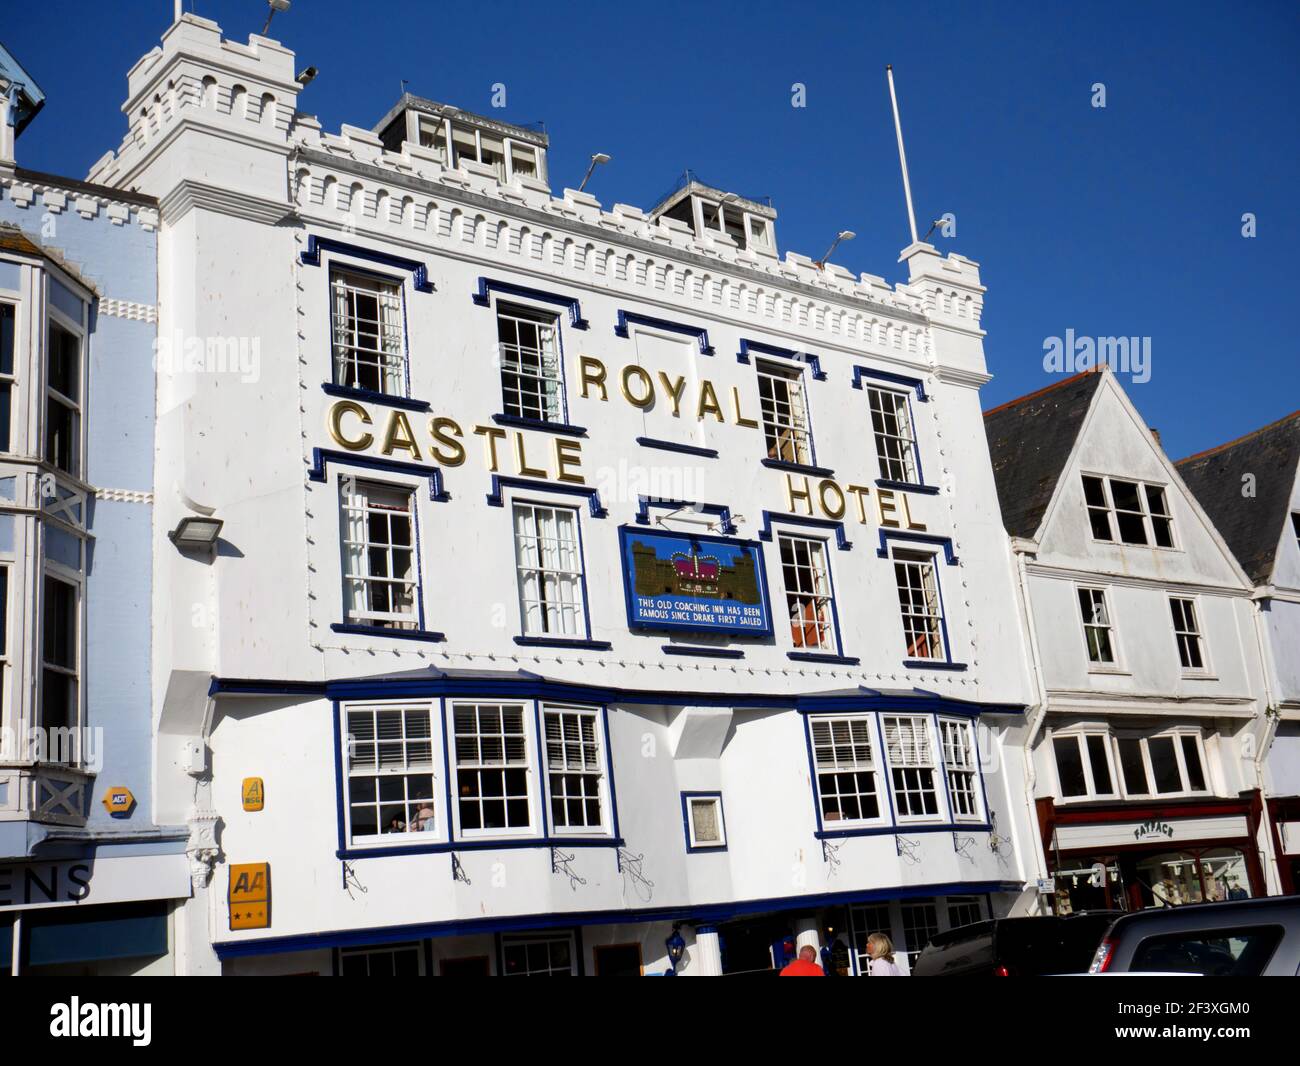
1133,856
1284,817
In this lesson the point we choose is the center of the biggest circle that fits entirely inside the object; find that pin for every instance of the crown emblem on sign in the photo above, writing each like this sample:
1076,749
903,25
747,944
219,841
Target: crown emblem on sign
697,575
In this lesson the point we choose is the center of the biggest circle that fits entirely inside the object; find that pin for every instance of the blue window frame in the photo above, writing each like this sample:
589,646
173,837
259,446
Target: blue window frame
551,578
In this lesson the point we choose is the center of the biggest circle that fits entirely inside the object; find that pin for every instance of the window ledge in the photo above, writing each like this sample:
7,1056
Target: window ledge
714,653
520,422
1109,671
1198,675
476,844
907,486
673,446
384,631
560,642
370,396
798,468
822,657
933,664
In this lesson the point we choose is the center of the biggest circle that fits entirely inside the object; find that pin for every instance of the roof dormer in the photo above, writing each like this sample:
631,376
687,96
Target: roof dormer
459,137
711,213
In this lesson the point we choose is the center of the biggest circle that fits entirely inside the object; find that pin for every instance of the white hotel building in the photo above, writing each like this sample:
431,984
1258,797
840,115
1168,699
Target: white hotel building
588,578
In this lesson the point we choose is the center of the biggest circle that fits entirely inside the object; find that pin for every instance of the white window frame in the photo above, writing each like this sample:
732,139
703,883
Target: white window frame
907,461
349,743
523,939
871,762
713,799
815,591
1176,734
1146,512
783,412
527,765
388,355
56,318
352,488
538,568
1080,737
961,767
546,376
1115,665
927,562
598,771
387,949
1192,607
910,762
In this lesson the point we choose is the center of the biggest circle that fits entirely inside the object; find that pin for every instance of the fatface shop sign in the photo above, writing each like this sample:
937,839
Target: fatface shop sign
73,882
677,581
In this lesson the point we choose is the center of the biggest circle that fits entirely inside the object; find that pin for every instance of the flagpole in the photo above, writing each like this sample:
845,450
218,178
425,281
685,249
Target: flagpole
902,155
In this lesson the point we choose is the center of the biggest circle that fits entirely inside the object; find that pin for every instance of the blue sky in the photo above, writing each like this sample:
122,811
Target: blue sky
1122,221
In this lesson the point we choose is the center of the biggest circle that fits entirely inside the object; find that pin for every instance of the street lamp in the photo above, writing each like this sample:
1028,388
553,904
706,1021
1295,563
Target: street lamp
598,158
843,235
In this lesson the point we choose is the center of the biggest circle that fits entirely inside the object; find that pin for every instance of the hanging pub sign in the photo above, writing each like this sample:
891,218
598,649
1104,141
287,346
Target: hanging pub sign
687,582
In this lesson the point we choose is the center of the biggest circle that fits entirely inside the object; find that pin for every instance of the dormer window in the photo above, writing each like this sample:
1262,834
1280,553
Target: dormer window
707,211
456,136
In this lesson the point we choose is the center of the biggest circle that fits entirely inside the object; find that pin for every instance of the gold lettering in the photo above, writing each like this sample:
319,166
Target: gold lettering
741,420
836,511
887,507
568,453
592,372
521,460
399,437
709,402
674,392
439,428
907,516
490,435
859,494
646,400
344,407
793,494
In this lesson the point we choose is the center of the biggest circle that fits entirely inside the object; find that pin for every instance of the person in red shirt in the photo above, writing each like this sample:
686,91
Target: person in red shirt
804,965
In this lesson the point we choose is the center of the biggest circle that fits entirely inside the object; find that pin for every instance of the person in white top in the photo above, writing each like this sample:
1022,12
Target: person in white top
881,950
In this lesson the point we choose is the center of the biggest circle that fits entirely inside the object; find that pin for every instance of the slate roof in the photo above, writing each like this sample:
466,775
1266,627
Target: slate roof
1252,527
1030,439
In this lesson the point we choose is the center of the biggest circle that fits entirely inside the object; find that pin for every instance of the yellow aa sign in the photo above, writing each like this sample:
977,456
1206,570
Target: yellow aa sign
254,794
250,895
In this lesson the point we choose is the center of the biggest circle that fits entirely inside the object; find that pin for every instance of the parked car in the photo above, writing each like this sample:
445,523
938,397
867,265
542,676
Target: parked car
1243,938
1015,947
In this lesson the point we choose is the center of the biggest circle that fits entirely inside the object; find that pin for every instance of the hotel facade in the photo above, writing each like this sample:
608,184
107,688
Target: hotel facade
596,590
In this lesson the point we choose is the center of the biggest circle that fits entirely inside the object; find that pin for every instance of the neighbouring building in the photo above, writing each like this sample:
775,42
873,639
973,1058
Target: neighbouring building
1251,488
554,588
1149,719
88,877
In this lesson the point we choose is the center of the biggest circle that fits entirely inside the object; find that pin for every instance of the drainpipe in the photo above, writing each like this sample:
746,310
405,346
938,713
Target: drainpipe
16,947
1034,720
1272,881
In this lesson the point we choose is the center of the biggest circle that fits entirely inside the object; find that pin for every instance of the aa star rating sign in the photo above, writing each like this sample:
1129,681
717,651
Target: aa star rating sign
250,895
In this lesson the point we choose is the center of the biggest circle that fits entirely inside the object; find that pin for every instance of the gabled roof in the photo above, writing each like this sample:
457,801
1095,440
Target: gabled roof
1030,440
1252,527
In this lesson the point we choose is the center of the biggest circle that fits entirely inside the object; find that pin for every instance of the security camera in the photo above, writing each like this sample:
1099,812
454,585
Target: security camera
307,76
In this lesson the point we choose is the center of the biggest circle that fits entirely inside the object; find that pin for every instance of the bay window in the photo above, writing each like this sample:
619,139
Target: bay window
911,765
60,665
847,789
8,339
63,399
574,768
960,767
1083,765
490,750
389,771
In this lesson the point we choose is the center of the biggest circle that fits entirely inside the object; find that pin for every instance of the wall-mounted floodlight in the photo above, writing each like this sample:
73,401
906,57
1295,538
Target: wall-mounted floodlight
596,160
843,235
196,534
